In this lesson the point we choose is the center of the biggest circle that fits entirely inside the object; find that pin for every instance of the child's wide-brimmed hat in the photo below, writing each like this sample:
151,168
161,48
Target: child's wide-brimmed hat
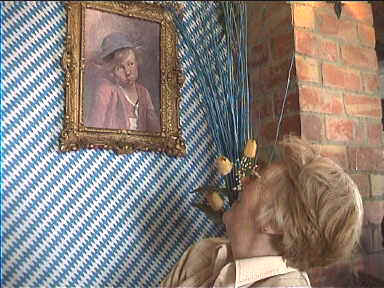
114,42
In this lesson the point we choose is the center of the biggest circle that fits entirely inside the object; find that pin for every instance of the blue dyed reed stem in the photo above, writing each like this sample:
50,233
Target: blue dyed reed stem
222,77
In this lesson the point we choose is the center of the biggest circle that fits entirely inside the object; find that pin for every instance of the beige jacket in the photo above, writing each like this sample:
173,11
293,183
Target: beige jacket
209,263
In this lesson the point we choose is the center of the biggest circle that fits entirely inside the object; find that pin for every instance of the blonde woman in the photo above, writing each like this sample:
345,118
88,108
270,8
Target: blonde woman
303,212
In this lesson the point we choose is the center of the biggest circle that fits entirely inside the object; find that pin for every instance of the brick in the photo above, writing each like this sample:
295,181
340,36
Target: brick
266,107
339,129
339,77
291,102
335,152
256,112
310,44
307,69
290,125
373,211
256,32
282,45
329,25
360,57
263,77
257,81
375,133
277,75
312,127
362,181
254,77
269,132
306,42
313,99
304,16
281,21
360,105
377,240
365,159
366,35
274,9
347,31
360,132
359,11
371,82
380,160
259,55
366,236
377,185
316,4
328,50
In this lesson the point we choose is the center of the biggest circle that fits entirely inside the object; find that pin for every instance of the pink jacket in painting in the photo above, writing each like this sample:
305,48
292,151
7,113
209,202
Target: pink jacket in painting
111,109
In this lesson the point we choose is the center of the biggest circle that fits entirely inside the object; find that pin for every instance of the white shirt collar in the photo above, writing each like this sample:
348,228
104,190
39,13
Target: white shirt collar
250,270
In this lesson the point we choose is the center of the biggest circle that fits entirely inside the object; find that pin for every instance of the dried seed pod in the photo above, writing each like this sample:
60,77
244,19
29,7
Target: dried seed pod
223,165
215,201
250,148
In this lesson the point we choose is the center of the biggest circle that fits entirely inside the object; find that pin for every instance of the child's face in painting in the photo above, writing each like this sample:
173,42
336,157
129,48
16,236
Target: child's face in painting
126,71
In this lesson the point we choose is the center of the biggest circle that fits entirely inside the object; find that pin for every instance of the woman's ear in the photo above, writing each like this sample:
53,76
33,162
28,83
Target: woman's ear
269,230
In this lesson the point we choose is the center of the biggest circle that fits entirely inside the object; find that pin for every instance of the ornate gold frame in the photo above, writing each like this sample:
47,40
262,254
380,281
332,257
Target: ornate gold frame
75,135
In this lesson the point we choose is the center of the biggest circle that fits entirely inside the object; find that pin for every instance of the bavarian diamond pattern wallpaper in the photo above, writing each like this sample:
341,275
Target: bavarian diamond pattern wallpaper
89,218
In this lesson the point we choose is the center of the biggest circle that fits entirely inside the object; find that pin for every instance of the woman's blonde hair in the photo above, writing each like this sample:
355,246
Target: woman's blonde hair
314,204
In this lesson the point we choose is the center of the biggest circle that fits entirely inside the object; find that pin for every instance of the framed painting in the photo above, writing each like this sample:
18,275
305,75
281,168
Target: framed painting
122,78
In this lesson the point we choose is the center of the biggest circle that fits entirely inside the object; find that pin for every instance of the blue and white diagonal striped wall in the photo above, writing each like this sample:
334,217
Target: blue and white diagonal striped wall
88,218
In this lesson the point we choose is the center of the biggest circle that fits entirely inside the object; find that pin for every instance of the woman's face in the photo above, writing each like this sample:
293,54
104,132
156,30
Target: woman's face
126,71
238,219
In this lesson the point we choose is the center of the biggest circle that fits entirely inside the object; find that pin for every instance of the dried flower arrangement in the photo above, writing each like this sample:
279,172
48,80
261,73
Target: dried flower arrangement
247,168
222,77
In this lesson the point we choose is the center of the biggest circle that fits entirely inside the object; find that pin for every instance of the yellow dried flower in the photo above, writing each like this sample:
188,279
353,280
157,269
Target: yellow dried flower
223,165
215,201
250,148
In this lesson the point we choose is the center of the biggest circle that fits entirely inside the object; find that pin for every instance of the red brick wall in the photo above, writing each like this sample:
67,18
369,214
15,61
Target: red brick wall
337,73
271,46
334,98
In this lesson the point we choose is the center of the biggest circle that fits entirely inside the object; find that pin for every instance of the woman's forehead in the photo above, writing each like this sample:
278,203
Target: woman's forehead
267,175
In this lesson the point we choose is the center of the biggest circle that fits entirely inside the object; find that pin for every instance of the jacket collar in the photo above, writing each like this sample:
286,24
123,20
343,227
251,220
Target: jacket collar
250,270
